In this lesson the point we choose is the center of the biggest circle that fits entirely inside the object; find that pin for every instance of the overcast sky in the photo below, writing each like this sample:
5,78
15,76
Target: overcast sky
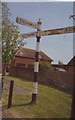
53,15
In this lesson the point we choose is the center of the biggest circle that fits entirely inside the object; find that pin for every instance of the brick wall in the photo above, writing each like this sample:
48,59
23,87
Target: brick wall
63,80
21,72
24,60
70,68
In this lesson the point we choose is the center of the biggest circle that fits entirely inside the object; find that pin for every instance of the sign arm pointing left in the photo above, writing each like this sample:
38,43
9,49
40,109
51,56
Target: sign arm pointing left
58,31
27,23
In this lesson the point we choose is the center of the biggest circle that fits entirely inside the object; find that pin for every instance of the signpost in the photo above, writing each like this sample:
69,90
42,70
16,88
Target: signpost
36,66
38,35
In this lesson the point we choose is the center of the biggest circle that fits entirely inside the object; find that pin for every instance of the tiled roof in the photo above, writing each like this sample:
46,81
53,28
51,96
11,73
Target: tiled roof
30,53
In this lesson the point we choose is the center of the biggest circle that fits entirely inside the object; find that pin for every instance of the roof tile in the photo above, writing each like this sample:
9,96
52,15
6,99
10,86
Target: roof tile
30,53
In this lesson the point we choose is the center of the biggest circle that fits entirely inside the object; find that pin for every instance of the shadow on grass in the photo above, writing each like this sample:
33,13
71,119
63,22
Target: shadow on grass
17,105
5,107
23,104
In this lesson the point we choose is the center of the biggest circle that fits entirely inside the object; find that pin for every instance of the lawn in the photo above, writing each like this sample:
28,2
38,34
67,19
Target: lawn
51,103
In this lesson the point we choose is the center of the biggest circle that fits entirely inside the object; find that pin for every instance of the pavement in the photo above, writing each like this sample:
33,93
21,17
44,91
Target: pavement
21,91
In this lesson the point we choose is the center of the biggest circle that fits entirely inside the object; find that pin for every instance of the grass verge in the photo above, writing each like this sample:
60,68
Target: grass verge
51,103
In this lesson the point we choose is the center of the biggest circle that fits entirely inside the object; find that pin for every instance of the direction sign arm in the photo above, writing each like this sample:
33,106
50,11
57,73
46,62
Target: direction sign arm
64,30
58,31
27,23
27,35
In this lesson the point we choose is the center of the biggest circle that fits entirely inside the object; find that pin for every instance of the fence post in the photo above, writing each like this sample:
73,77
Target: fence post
10,93
1,88
2,82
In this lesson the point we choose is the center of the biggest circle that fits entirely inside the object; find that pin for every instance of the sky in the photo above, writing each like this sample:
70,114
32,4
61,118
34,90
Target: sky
53,15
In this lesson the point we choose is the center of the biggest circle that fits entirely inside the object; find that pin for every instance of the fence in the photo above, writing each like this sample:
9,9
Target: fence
11,84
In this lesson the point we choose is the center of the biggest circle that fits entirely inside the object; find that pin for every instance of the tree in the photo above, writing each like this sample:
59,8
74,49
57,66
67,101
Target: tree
11,42
60,63
0,36
5,12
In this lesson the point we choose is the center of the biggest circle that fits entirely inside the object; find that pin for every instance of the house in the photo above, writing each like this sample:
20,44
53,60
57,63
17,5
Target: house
25,57
71,65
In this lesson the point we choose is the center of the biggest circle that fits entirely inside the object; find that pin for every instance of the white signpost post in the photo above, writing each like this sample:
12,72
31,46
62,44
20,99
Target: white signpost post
38,35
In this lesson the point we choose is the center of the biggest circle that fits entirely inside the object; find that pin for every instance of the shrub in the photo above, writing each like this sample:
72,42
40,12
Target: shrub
45,65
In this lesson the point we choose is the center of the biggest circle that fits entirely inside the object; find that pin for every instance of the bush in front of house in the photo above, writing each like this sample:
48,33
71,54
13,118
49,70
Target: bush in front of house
46,65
